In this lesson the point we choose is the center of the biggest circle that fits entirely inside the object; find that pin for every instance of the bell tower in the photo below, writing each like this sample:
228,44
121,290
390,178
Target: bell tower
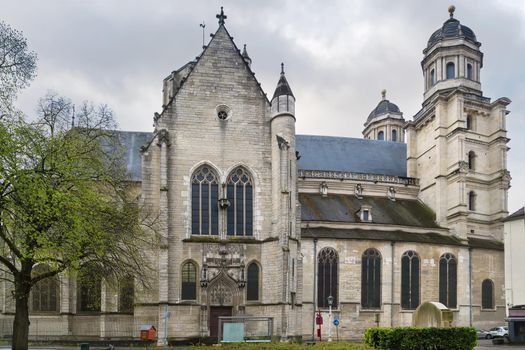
457,143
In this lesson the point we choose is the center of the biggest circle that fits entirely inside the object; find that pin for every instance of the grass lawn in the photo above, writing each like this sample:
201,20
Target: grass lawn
282,346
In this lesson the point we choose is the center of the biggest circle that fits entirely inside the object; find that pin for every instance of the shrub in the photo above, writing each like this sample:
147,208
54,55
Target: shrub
414,338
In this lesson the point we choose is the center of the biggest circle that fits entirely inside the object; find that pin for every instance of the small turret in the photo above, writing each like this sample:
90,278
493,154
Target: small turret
246,57
283,100
385,122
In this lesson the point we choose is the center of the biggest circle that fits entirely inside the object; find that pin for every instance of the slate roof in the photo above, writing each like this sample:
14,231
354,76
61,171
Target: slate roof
344,208
351,154
283,88
518,214
452,29
396,236
131,142
383,107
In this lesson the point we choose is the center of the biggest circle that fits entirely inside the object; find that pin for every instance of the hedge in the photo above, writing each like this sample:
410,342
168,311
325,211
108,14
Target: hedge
414,338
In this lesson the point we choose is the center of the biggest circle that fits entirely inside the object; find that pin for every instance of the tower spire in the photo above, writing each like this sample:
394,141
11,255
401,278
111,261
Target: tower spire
282,68
221,16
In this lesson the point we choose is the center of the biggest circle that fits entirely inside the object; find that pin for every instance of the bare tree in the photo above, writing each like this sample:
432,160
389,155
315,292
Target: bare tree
17,67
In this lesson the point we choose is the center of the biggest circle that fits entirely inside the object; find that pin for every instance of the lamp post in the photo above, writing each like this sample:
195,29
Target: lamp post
330,301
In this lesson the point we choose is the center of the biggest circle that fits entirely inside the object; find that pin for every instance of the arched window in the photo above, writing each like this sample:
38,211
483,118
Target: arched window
89,288
252,288
126,294
448,280
487,294
394,135
471,159
410,280
381,135
471,201
371,279
45,292
451,70
469,122
240,210
469,71
189,281
327,267
204,202
432,77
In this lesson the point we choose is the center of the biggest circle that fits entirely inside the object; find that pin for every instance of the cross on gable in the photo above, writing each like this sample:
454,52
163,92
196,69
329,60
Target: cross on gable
221,17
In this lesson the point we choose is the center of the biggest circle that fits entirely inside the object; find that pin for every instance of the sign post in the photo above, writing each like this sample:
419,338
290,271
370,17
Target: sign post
336,324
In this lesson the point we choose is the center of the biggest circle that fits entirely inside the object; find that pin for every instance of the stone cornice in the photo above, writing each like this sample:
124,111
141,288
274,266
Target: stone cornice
347,175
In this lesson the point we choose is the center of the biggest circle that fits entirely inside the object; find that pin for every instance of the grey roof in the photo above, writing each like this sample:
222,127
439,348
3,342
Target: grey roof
379,235
383,107
131,143
282,88
518,214
452,29
345,208
351,154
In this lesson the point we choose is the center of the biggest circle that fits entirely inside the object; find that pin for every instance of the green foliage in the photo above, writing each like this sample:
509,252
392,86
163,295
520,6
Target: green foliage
414,338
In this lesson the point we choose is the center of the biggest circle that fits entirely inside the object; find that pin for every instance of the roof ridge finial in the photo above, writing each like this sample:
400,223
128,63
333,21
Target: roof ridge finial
451,10
383,94
282,68
221,16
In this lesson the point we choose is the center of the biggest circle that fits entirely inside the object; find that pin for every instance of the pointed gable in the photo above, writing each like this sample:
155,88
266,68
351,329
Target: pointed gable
224,59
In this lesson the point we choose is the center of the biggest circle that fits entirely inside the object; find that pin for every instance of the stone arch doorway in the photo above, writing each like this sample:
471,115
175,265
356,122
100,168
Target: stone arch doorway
222,297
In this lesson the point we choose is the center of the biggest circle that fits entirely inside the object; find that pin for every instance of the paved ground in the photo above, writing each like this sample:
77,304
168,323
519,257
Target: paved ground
487,344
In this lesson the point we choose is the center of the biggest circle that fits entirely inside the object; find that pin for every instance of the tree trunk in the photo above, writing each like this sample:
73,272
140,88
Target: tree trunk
21,321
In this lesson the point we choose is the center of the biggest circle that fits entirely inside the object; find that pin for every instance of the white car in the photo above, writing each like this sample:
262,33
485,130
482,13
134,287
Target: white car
495,332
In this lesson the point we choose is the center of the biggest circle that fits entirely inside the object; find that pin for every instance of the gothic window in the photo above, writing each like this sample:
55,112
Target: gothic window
432,77
410,264
469,71
471,159
189,281
240,210
471,201
252,288
487,294
327,265
126,293
469,122
394,135
89,288
371,279
451,70
448,280
381,135
45,292
204,202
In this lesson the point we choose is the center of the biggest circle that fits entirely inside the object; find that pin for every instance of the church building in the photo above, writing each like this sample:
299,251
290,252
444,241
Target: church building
256,220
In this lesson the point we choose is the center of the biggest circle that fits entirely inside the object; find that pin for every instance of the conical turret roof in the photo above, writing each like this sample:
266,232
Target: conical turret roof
283,88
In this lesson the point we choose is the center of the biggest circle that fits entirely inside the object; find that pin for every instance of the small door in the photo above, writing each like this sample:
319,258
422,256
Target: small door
215,313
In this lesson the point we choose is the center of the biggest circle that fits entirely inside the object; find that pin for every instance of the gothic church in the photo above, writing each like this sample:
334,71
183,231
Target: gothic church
261,221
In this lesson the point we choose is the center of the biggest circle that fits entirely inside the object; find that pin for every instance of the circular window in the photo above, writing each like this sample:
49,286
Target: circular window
223,112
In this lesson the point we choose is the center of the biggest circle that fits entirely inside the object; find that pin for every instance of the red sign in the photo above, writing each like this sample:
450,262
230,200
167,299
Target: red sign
319,319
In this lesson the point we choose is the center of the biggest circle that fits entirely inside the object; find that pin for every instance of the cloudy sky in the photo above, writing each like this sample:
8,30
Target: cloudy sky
338,55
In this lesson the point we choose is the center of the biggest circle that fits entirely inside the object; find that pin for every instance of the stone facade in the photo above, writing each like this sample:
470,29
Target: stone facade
215,115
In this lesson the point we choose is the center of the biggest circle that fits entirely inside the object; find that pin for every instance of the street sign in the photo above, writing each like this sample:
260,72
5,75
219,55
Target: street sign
336,322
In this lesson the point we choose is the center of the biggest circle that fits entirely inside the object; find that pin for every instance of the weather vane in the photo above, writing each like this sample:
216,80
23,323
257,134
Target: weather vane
202,25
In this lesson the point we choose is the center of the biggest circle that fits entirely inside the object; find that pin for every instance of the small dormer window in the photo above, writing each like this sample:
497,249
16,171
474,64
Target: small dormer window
365,214
323,189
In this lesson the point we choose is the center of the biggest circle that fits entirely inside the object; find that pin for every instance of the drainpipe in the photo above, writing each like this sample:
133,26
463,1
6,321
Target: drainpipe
392,244
470,284
315,289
